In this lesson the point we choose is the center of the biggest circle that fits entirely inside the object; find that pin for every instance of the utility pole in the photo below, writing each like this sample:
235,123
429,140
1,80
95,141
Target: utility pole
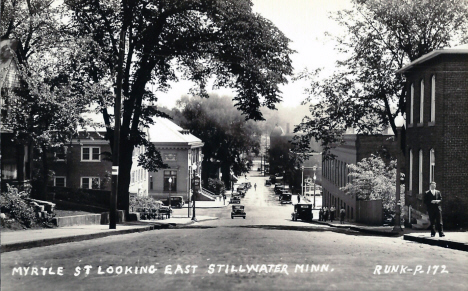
116,148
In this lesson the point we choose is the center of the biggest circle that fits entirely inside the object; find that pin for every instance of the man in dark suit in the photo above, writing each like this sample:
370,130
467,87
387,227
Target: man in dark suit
433,199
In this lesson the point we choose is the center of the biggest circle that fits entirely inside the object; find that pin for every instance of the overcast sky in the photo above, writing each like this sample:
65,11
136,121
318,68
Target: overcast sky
304,22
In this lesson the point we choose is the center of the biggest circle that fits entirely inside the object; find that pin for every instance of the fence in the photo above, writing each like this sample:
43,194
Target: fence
369,212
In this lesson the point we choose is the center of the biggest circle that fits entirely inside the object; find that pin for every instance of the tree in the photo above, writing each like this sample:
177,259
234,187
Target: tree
45,109
228,137
380,37
372,179
199,38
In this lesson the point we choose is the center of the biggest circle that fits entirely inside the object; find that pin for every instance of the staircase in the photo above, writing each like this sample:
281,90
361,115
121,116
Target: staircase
206,195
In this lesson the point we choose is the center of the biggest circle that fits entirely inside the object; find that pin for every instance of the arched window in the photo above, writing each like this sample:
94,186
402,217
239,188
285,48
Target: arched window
412,104
421,104
432,166
433,98
410,183
420,171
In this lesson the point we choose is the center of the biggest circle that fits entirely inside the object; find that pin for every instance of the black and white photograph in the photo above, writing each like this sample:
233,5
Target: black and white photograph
234,145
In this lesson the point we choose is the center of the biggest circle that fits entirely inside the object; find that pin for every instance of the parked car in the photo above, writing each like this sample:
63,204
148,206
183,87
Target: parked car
237,211
176,201
241,187
279,188
303,212
235,200
285,197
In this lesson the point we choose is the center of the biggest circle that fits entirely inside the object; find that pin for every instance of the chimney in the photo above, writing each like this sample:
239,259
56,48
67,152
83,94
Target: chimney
287,127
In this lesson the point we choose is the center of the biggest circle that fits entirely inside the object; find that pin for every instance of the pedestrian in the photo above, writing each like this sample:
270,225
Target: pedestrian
321,214
255,186
325,213
332,213
342,214
433,199
246,177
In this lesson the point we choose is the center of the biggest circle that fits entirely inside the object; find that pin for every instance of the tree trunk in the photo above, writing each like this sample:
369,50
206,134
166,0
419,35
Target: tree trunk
125,167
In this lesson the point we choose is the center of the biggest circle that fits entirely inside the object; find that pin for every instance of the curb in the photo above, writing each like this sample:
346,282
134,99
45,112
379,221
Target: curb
357,228
437,242
59,240
187,223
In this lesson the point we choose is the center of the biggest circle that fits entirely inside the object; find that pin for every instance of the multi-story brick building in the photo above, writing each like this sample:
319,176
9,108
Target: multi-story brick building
437,132
335,171
84,163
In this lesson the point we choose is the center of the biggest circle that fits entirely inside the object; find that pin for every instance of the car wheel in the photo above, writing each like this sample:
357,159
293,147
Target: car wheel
232,217
244,217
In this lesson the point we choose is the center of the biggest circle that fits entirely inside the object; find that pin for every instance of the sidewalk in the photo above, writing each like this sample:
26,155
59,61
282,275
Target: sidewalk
457,240
25,239
209,204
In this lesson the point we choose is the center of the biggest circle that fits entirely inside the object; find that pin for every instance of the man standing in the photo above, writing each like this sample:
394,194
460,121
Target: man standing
332,213
433,199
342,214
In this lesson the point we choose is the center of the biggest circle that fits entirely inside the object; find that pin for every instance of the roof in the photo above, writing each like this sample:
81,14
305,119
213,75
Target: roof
462,49
164,131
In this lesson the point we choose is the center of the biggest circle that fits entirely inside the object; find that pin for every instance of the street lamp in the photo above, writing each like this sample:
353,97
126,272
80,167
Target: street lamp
195,188
399,122
315,177
302,181
192,174
170,198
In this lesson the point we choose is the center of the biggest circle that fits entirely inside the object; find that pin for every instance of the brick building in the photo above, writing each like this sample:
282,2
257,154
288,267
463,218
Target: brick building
84,163
437,132
335,172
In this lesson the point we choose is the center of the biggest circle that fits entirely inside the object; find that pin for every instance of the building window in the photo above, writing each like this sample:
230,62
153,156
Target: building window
420,171
410,183
433,98
173,185
60,153
421,104
432,165
90,182
91,154
412,104
60,181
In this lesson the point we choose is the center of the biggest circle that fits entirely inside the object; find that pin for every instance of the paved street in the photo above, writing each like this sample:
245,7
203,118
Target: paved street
265,251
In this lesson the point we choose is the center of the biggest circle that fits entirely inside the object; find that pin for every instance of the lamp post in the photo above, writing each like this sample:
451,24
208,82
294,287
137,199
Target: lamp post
315,177
196,187
192,174
302,181
170,198
399,122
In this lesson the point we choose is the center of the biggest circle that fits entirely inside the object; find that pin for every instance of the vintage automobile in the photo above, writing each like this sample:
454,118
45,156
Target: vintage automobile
248,185
176,201
303,212
279,188
237,211
285,197
235,200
